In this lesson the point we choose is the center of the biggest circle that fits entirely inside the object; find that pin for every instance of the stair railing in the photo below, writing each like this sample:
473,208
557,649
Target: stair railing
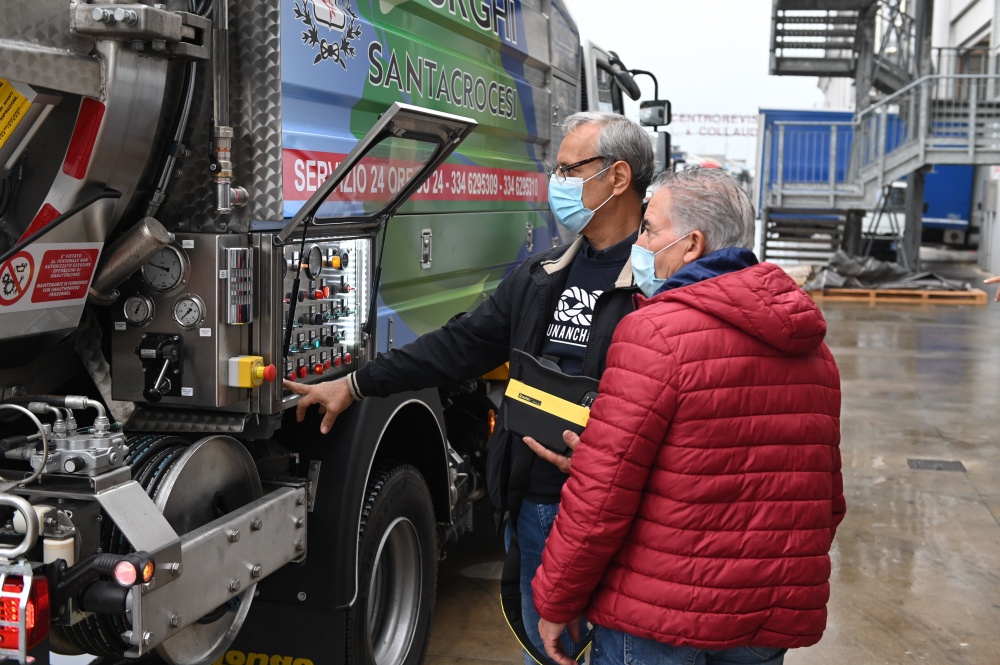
951,118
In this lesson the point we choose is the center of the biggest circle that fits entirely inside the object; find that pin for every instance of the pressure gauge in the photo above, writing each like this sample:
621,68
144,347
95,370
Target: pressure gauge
138,310
165,270
313,262
189,311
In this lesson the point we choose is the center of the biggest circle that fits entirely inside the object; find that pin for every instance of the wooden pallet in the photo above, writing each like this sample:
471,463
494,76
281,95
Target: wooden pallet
901,296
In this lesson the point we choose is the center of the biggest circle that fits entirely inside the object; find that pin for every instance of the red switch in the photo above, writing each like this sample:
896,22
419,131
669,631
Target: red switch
347,358
292,375
303,371
337,361
318,368
327,364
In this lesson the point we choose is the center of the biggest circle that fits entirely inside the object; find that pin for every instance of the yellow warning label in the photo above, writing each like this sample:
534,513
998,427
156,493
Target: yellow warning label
13,106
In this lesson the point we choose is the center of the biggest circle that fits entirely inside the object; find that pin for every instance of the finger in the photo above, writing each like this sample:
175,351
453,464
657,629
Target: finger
571,439
300,410
992,280
297,388
560,461
324,427
554,648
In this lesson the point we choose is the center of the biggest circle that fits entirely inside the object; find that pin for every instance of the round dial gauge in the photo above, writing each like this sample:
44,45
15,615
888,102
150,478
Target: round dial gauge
313,262
163,272
189,311
138,309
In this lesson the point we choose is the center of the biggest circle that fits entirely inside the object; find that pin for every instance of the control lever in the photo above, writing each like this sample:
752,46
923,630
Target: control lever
168,350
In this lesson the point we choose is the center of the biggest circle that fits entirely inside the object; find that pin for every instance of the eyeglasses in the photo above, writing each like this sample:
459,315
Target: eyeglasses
561,172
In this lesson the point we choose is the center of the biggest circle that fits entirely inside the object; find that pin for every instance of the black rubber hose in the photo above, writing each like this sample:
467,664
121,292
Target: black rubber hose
82,205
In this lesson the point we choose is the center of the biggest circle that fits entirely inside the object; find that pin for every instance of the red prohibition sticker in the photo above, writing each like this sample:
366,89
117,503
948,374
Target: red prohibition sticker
64,274
15,278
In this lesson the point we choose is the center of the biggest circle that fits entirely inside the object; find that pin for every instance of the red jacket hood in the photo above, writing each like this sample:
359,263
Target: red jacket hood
761,300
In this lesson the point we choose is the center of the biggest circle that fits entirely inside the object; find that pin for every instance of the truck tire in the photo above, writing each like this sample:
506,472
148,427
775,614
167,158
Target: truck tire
390,621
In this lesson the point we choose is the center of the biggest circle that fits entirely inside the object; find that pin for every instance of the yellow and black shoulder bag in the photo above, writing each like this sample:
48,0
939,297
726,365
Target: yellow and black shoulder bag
541,402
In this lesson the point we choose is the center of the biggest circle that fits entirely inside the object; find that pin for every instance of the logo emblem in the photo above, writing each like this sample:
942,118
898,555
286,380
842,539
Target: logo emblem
576,306
333,16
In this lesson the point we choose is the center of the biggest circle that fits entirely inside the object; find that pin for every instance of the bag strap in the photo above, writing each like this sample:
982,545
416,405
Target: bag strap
510,579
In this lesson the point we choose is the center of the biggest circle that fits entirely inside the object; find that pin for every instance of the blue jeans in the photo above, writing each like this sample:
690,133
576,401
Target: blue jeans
613,647
533,527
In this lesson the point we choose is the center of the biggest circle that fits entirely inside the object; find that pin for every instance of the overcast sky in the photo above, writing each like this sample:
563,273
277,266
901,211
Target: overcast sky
710,57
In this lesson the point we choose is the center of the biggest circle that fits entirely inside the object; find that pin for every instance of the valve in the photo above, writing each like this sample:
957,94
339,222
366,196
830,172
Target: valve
160,355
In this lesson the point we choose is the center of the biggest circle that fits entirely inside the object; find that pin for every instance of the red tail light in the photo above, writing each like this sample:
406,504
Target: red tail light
36,612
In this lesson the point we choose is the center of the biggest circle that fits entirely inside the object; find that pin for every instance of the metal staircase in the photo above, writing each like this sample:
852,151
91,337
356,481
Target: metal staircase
938,119
862,39
819,179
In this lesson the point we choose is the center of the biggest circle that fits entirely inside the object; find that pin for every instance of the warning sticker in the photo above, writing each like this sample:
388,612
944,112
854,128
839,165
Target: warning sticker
64,274
15,276
13,106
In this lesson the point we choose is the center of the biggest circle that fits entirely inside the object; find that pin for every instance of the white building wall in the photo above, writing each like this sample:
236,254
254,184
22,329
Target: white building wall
838,93
969,20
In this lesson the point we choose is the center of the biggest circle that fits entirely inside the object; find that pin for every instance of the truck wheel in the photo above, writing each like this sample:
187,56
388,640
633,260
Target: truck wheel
390,621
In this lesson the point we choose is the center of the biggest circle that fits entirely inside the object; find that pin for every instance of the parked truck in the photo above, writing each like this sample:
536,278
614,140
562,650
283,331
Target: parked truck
199,198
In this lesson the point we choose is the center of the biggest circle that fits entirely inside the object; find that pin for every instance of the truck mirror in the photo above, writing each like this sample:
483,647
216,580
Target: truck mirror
654,113
623,78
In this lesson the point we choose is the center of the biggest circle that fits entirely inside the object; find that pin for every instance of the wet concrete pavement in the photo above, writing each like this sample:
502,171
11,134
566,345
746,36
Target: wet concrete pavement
916,562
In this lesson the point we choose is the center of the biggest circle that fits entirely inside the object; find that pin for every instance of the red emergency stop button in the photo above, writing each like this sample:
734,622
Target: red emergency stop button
268,373
292,375
348,358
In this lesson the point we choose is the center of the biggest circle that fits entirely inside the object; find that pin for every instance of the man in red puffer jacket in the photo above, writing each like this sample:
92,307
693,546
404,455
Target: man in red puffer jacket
706,490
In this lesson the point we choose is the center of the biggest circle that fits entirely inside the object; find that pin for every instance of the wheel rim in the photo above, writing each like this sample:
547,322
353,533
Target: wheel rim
394,593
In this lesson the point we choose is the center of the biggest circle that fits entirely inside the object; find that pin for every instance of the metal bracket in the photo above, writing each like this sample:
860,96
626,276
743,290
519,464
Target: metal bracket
530,240
426,248
178,34
314,467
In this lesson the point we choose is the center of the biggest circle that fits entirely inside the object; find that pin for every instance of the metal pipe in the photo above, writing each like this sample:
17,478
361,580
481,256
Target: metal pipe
131,250
220,63
8,484
226,195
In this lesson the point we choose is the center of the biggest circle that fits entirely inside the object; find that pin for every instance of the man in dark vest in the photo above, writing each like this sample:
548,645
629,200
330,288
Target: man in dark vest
563,304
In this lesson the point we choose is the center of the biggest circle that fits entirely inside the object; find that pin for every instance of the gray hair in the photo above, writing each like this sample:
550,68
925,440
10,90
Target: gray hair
710,201
620,139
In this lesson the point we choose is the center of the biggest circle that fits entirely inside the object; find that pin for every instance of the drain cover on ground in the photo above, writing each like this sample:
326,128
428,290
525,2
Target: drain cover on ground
935,465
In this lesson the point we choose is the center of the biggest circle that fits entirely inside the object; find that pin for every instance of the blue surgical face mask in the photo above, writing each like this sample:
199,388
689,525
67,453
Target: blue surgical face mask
644,268
566,201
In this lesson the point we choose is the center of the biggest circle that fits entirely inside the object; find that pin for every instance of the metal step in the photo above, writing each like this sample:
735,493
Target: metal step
802,238
829,67
889,78
824,5
817,33
815,46
839,19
